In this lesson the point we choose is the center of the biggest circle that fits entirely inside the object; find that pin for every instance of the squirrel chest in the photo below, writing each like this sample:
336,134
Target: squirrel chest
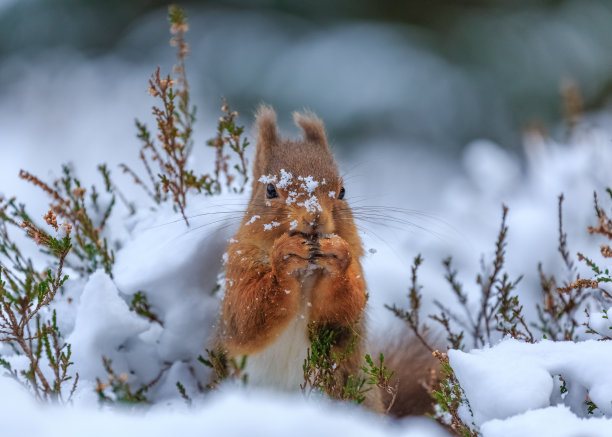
279,364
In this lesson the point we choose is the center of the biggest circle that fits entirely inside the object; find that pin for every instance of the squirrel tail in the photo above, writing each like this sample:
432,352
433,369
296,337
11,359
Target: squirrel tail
416,374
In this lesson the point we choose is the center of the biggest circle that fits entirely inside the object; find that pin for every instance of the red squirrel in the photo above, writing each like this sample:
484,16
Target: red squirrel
294,262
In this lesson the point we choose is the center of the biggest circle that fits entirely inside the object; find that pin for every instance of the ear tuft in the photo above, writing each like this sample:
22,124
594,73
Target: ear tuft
314,130
265,120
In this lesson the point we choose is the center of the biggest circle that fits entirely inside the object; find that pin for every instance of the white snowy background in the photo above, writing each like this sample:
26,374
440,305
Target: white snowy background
65,108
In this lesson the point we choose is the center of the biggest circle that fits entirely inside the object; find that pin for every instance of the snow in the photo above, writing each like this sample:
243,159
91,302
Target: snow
291,197
286,179
600,322
267,179
252,220
513,388
556,421
529,371
311,204
424,203
308,183
269,226
232,412
103,323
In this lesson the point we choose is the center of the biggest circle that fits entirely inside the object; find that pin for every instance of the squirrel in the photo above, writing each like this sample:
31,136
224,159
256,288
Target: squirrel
294,264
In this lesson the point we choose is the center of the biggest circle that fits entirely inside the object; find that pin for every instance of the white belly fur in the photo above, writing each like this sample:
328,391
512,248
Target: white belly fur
280,364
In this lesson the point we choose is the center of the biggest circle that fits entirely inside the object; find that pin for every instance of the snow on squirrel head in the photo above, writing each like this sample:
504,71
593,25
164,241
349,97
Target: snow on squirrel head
296,185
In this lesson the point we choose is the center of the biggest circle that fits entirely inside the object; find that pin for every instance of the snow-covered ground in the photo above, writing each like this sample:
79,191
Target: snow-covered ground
447,208
231,413
513,387
515,383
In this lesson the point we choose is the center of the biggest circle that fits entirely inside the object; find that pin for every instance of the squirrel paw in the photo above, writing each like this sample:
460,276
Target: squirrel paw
290,254
334,255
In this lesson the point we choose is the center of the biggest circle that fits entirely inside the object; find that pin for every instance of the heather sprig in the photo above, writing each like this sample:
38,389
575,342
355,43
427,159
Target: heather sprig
231,135
165,154
24,293
69,202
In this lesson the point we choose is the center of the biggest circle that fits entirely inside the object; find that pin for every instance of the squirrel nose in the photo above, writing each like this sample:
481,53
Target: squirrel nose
316,224
310,225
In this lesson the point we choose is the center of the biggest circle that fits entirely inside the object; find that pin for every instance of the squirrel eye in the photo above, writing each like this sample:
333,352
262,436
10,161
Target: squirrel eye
341,194
271,192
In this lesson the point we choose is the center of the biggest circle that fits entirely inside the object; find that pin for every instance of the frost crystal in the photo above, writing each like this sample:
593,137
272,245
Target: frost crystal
255,217
332,194
311,204
292,197
285,179
269,226
293,224
309,183
267,179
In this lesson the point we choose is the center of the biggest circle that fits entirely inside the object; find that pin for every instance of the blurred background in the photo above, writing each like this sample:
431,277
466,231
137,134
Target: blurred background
425,102
434,74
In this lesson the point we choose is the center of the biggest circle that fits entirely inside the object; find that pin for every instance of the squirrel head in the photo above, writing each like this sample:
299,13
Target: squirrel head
296,184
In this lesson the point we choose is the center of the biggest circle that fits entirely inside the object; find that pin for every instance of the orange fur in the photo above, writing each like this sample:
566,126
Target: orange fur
296,255
417,373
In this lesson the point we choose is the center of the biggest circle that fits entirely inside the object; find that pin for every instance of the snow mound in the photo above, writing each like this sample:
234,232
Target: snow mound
513,377
556,421
229,413
103,323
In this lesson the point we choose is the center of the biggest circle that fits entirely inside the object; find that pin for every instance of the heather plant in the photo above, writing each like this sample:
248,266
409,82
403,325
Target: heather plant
560,312
601,275
379,375
449,396
321,369
231,135
84,212
26,323
321,363
116,388
561,305
141,306
498,311
169,150
223,368
411,316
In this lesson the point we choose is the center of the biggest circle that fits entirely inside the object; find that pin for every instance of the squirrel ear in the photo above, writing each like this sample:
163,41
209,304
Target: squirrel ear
314,130
265,120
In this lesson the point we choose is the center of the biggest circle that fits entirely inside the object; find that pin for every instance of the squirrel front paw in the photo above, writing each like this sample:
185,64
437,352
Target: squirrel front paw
333,255
290,254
